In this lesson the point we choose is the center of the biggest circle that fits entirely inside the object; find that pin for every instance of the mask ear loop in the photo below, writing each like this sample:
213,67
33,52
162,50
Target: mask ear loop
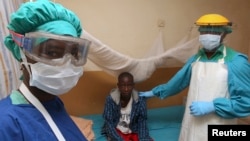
25,62
19,40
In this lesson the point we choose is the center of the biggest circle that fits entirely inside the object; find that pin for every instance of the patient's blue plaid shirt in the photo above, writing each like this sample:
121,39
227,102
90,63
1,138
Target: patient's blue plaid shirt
138,119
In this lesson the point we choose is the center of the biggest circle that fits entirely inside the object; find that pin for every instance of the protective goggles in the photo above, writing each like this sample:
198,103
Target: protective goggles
53,49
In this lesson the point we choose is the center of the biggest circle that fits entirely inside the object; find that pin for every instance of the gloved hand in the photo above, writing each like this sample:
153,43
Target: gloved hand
146,94
200,108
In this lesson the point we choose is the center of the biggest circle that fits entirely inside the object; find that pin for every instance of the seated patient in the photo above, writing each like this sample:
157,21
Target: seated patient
125,113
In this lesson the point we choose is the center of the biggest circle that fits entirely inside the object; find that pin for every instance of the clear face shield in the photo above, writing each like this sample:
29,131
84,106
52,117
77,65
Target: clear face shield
215,30
54,49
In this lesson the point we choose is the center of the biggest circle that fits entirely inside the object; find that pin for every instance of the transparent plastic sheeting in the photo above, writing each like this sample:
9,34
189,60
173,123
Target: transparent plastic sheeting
114,62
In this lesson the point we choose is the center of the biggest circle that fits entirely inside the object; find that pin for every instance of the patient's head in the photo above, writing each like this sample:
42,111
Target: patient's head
125,85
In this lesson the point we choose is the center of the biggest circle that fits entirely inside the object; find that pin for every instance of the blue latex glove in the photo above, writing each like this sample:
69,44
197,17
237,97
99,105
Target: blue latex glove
146,94
200,108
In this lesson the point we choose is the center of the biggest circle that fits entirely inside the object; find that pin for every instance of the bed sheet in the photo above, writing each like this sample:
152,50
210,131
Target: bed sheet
163,123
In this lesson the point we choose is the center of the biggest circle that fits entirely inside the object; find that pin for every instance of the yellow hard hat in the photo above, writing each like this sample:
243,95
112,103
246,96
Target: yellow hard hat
213,20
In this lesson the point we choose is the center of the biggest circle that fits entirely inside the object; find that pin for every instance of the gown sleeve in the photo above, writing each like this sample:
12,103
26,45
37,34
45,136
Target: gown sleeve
9,131
177,83
9,126
238,105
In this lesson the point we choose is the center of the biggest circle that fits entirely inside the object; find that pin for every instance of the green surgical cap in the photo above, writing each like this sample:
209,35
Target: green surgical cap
42,15
219,29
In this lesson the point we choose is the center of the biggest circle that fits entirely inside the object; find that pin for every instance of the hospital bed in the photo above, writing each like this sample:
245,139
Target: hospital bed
163,123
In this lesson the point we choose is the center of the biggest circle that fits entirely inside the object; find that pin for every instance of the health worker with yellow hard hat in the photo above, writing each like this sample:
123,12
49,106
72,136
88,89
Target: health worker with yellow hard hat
218,81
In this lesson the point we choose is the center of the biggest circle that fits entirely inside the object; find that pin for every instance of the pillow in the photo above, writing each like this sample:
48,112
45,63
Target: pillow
85,125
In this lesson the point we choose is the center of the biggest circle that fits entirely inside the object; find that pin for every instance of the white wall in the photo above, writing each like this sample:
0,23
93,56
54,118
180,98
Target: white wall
131,26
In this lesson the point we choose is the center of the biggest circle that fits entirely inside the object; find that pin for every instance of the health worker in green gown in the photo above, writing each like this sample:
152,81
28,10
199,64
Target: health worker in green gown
218,78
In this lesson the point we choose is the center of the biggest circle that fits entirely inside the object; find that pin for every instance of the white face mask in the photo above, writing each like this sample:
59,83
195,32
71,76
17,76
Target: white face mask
55,79
210,41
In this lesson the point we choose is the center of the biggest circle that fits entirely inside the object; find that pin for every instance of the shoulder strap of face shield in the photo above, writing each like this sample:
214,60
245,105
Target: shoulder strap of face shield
33,100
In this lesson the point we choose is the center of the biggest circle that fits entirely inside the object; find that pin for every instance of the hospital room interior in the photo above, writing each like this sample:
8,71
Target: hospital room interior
132,28
150,38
